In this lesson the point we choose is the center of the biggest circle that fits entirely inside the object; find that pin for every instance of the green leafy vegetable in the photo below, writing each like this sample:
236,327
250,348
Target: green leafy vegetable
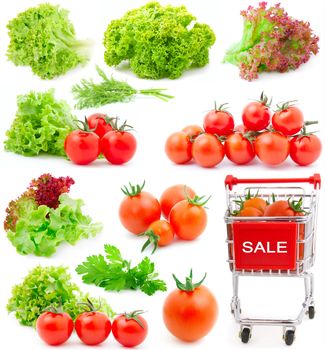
158,42
115,273
45,216
46,286
89,94
271,41
43,38
40,126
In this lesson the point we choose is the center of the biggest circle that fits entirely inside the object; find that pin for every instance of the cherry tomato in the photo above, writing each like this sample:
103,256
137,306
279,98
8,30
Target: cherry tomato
256,115
138,209
118,147
255,202
130,329
241,128
190,311
93,327
250,211
207,150
100,123
272,148
193,131
173,195
82,147
219,121
178,148
288,119
284,208
188,218
239,149
305,150
160,233
54,328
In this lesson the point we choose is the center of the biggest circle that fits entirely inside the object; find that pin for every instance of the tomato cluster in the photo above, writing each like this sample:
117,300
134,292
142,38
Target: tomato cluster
100,134
272,138
92,327
140,214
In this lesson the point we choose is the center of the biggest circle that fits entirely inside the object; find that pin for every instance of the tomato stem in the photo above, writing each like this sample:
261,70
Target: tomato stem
281,106
198,201
90,305
152,239
84,126
188,286
134,190
134,316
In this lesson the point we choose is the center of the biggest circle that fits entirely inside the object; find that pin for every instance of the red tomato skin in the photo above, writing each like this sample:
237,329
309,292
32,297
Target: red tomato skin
82,147
256,116
173,195
190,316
272,148
219,122
238,149
188,221
96,121
178,148
193,130
128,332
118,147
93,327
207,151
164,230
138,212
241,128
305,150
288,121
53,328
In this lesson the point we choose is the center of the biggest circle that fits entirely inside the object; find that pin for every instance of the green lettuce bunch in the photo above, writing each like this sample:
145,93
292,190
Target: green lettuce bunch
158,41
49,286
40,126
43,38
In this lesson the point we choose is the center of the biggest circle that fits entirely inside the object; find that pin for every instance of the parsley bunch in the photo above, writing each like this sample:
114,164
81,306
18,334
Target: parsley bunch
116,273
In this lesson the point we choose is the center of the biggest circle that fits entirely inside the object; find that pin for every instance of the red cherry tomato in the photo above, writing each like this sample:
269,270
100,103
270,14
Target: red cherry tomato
272,148
193,131
93,327
54,328
256,115
82,147
288,119
207,150
241,128
178,148
305,150
160,233
130,329
239,149
100,123
219,121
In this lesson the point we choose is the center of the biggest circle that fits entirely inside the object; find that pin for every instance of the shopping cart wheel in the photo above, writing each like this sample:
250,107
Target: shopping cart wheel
311,312
245,334
289,336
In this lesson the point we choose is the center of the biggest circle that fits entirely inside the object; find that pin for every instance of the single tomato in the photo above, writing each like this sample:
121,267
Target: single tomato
288,119
160,233
192,131
100,123
239,149
285,208
305,149
219,121
178,148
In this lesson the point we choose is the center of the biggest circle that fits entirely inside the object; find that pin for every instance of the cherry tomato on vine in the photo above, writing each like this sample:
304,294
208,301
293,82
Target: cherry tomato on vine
272,148
82,146
93,327
178,148
239,149
100,123
219,121
173,195
130,329
285,208
191,310
288,119
193,131
160,233
305,149
207,150
256,115
138,209
118,146
54,328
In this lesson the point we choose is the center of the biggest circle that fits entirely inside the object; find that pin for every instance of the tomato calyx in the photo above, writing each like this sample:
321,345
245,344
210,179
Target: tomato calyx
199,201
303,131
133,190
120,128
152,239
107,119
221,108
282,106
188,286
264,100
84,126
90,305
134,316
297,206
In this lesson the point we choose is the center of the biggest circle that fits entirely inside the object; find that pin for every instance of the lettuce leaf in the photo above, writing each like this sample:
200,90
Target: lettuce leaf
40,126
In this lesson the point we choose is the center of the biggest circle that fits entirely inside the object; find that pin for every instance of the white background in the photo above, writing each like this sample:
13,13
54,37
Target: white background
99,184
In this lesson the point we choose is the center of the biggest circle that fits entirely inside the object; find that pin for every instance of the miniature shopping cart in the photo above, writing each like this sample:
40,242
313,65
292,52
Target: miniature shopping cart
272,246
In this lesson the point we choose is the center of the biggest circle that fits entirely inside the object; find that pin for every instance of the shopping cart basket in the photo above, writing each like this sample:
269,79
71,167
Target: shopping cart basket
272,246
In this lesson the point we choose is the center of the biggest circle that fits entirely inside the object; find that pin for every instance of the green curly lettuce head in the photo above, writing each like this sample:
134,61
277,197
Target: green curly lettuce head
40,126
157,41
49,286
43,38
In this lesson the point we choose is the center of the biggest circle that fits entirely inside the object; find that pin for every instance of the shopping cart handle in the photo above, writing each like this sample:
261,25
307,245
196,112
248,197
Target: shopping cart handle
231,181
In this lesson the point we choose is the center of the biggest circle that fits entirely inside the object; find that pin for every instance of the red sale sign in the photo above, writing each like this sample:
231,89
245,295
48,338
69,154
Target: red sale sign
265,245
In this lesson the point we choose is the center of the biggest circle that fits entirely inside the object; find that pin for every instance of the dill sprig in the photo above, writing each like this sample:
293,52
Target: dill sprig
89,94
